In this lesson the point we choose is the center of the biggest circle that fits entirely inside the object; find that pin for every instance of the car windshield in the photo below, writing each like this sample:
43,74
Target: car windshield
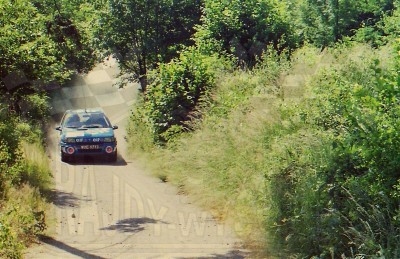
86,120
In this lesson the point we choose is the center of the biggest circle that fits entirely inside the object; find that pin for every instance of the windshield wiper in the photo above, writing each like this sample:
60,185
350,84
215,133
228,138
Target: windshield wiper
91,126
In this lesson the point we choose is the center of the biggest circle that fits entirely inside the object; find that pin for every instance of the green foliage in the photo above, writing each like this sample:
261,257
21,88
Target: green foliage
14,163
141,137
384,31
297,194
24,176
176,91
9,138
320,177
66,25
235,91
24,43
337,195
39,39
21,219
22,209
245,28
363,112
41,42
222,160
35,169
35,107
142,33
391,25
9,245
326,22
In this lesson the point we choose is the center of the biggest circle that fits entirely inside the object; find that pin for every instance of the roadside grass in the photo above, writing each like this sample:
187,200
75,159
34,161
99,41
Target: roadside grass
261,162
37,171
23,208
318,200
222,167
221,164
22,217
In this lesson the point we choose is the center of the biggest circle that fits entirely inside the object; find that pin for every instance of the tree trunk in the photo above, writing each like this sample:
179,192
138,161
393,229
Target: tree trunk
143,82
142,72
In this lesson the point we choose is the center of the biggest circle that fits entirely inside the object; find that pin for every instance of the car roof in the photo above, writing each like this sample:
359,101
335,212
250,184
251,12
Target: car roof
88,110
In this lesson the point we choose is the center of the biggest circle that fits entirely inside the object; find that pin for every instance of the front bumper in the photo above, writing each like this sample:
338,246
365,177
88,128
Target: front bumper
71,150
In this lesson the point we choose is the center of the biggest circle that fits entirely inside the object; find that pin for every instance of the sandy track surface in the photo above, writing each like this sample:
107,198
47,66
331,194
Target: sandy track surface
115,210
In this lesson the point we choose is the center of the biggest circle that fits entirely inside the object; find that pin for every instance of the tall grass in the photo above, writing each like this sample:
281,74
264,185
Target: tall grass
23,207
22,217
221,164
278,168
328,197
222,167
36,167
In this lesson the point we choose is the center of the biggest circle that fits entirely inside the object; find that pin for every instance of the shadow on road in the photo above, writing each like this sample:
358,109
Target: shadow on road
62,199
69,249
234,254
93,160
132,225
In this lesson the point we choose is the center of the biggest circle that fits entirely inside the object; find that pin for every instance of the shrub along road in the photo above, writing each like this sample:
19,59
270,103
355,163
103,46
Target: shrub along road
104,210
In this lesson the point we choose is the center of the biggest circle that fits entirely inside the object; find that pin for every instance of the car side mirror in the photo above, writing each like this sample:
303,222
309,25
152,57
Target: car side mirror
115,127
58,128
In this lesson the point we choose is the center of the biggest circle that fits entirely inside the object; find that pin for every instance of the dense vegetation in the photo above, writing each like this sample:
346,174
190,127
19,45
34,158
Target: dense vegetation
42,43
141,34
280,114
298,176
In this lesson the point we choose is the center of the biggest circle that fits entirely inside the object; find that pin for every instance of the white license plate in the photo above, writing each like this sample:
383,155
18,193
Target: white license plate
90,147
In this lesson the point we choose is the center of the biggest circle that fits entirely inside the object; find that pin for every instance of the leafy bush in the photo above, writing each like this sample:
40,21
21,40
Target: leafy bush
326,22
322,176
362,111
239,88
339,196
141,136
9,137
9,245
176,90
245,28
384,31
35,107
21,219
297,194
24,178
222,160
390,24
22,207
42,45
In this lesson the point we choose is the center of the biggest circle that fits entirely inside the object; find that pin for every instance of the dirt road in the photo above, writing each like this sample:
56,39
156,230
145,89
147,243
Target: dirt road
105,210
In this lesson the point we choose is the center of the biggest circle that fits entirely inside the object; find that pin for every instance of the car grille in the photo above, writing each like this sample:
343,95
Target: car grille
82,141
89,141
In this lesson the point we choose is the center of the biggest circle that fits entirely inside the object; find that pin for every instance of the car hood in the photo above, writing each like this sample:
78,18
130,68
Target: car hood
87,133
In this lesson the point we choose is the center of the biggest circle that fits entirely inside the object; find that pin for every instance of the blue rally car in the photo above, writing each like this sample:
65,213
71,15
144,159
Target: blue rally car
87,132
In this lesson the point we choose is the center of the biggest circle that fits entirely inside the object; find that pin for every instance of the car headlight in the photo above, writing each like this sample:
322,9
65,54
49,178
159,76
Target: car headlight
70,140
109,139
